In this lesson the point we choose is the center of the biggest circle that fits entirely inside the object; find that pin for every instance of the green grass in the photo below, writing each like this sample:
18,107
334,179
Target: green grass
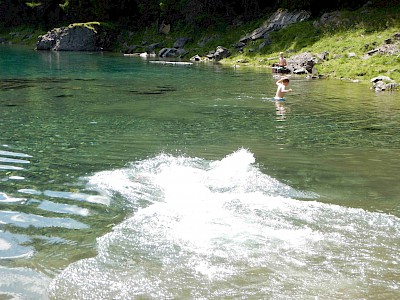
359,32
23,35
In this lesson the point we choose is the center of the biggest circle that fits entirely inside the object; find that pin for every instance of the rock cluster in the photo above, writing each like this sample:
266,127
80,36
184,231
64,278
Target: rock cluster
302,63
390,47
383,83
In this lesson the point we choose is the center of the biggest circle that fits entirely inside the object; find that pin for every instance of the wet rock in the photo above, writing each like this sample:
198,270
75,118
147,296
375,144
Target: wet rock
196,58
383,83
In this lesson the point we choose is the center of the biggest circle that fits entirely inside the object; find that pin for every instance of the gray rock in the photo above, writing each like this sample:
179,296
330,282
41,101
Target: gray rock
182,41
300,71
383,83
219,53
195,58
239,45
332,18
379,86
278,20
152,47
168,52
131,49
267,41
323,56
49,40
172,52
381,78
302,63
72,38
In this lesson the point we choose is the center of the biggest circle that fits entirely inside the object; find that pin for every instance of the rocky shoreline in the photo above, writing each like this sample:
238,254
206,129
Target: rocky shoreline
92,37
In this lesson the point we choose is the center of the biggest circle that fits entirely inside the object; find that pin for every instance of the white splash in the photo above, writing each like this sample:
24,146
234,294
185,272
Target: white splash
223,229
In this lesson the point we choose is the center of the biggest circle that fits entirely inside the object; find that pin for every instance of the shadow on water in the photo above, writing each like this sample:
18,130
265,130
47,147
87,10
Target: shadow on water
158,90
21,83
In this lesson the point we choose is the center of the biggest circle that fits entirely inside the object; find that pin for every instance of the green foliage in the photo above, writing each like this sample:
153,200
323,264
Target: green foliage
90,25
33,4
23,35
65,5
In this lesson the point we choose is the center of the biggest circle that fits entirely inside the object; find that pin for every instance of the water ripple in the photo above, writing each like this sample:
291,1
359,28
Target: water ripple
25,220
15,154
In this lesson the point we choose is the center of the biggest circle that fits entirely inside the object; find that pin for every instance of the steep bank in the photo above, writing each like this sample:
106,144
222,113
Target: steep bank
356,45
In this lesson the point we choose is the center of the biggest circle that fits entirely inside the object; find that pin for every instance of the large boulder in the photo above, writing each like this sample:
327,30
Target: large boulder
278,20
71,38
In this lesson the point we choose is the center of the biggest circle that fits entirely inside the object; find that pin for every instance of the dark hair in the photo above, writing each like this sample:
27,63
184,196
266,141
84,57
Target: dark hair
285,80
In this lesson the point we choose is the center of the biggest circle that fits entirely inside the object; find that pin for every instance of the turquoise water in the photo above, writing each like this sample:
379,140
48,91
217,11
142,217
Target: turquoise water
121,178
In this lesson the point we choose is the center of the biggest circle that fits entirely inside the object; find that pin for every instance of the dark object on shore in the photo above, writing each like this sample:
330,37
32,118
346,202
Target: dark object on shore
280,69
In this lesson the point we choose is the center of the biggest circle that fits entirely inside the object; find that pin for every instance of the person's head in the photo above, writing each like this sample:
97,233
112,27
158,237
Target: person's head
281,54
285,80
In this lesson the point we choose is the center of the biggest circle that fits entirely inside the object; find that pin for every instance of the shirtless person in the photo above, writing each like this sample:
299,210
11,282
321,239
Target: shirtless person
280,66
282,60
281,91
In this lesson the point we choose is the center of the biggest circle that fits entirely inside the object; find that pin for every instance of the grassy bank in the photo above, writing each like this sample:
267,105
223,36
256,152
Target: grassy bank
346,42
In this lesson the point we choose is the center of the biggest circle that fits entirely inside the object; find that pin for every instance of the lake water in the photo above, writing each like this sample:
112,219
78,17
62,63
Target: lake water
126,179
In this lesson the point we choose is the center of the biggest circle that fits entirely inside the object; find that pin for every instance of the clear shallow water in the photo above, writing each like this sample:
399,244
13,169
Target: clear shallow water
121,179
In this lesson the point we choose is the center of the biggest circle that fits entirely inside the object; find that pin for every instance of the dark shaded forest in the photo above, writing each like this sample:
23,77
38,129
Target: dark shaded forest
136,14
